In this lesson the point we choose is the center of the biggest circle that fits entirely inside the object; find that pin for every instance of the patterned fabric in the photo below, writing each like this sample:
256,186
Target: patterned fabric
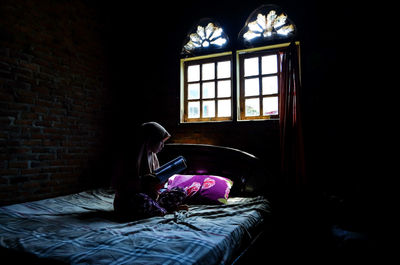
140,205
171,199
202,189
81,229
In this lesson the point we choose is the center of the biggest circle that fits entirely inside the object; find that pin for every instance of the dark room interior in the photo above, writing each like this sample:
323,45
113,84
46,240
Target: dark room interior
78,76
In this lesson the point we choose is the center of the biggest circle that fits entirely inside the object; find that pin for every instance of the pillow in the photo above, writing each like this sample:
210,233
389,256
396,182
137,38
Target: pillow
202,188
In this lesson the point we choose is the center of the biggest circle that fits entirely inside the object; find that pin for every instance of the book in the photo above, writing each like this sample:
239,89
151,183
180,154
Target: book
174,166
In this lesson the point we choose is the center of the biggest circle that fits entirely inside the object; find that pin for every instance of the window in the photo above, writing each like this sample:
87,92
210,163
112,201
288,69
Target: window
207,89
214,87
266,25
259,84
207,36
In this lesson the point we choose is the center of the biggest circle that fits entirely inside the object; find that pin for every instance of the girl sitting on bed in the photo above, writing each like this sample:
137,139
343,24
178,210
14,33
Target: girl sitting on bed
137,189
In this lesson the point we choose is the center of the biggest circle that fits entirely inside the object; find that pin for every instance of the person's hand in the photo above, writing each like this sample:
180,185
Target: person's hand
150,185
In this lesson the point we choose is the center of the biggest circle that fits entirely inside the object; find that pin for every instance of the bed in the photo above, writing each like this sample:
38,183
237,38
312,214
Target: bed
82,229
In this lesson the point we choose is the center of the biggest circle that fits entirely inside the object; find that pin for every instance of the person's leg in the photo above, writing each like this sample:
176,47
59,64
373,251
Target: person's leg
172,200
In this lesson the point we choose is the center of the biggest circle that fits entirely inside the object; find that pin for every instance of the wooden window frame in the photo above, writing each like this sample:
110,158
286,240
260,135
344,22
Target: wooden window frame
237,83
215,58
252,53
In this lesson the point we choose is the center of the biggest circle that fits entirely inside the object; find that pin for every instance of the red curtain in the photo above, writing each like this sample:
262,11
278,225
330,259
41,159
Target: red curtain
293,168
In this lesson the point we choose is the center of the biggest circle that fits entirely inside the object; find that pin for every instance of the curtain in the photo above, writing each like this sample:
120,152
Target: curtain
293,168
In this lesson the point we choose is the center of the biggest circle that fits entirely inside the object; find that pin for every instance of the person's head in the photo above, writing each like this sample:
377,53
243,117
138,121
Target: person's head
154,136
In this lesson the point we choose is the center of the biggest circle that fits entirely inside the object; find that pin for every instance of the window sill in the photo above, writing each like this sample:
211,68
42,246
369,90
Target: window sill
231,121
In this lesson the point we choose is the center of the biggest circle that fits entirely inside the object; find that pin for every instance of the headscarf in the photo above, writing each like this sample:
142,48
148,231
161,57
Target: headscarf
153,132
134,162
149,133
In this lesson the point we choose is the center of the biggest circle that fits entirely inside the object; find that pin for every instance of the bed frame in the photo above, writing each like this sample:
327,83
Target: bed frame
244,169
247,172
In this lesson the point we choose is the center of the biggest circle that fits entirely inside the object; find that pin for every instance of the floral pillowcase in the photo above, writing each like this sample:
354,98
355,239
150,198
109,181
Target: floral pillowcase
202,188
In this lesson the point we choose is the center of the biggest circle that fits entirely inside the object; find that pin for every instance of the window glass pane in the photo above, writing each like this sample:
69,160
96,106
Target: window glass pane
208,108
224,69
251,87
252,107
208,71
193,73
269,64
194,109
265,24
224,88
194,91
251,66
208,90
270,85
205,37
270,106
224,108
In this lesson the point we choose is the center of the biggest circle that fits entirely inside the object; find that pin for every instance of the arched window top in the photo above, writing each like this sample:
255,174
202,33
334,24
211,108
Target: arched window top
267,24
205,37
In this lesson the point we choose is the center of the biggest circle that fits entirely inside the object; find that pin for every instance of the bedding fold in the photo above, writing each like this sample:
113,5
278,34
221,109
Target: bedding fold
81,229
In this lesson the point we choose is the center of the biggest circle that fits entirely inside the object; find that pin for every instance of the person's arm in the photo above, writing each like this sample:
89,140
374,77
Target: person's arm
150,185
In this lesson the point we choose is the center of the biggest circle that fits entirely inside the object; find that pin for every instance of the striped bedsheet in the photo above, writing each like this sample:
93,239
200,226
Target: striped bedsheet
81,229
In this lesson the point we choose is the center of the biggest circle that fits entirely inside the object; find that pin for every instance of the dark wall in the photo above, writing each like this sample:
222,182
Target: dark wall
53,98
339,75
76,77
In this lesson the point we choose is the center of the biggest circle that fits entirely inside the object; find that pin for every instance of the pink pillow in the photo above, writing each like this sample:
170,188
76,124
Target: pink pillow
203,188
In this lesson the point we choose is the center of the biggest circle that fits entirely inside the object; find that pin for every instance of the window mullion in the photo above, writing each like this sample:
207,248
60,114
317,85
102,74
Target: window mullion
185,94
241,87
260,86
201,91
215,89
279,81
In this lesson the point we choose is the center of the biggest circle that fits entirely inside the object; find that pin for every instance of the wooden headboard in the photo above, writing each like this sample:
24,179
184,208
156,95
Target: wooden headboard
243,168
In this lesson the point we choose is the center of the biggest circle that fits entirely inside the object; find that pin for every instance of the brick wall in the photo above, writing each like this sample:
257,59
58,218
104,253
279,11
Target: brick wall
53,98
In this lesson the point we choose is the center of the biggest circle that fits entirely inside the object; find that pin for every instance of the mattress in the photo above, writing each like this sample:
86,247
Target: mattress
81,229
